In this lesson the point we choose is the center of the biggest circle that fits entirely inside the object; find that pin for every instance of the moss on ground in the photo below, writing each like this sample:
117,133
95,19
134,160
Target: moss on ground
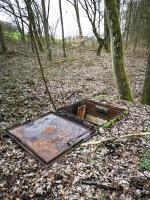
145,161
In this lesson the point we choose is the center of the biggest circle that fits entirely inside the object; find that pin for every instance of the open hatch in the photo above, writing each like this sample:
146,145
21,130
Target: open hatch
53,134
93,112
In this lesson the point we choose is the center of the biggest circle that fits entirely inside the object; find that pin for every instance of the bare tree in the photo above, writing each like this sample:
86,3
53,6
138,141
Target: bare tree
75,4
38,17
117,50
62,28
128,20
146,89
106,34
46,30
15,12
91,9
21,20
2,40
137,20
31,18
138,30
7,9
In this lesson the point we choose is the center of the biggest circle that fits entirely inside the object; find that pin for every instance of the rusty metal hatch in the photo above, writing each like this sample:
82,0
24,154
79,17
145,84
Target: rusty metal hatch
92,113
49,136
53,134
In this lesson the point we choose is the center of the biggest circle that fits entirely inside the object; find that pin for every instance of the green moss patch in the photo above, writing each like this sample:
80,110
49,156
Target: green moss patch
145,161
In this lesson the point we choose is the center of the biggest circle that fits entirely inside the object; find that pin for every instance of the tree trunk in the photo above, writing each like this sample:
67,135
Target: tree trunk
146,89
46,32
99,40
138,28
118,7
31,18
22,24
2,40
100,46
128,23
62,28
78,18
106,34
137,35
11,6
117,51
31,36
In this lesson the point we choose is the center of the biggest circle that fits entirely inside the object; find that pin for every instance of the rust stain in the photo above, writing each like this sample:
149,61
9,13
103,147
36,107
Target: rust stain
48,136
97,110
48,131
46,150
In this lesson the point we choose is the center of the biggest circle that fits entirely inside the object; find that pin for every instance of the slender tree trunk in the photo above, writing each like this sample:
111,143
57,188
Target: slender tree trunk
106,34
146,89
78,18
38,22
138,28
32,24
2,40
42,72
117,51
62,28
22,24
99,17
31,36
46,32
99,40
137,35
128,23
100,46
118,7
15,17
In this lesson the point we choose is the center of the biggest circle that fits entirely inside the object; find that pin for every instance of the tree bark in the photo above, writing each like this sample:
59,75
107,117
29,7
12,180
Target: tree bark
99,39
62,28
128,23
106,34
137,34
31,18
146,89
2,40
117,51
78,18
91,9
118,7
46,32
22,32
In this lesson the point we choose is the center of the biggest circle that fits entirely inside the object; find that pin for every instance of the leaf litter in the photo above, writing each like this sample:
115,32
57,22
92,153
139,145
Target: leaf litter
23,97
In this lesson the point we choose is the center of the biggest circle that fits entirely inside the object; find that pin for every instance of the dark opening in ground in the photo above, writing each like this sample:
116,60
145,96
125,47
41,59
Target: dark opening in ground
94,112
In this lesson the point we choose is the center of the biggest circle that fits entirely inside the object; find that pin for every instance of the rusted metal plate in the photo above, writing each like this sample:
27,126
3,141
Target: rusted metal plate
96,113
49,136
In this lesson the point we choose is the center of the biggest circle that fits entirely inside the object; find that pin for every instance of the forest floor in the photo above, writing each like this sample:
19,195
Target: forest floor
81,75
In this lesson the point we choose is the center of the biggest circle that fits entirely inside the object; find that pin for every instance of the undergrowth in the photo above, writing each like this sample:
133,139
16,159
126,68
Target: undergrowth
145,161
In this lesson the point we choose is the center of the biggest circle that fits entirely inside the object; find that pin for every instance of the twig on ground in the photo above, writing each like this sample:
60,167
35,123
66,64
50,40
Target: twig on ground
106,186
115,138
70,95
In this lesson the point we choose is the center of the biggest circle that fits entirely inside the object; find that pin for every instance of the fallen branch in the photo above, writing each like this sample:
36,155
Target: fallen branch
115,138
106,186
